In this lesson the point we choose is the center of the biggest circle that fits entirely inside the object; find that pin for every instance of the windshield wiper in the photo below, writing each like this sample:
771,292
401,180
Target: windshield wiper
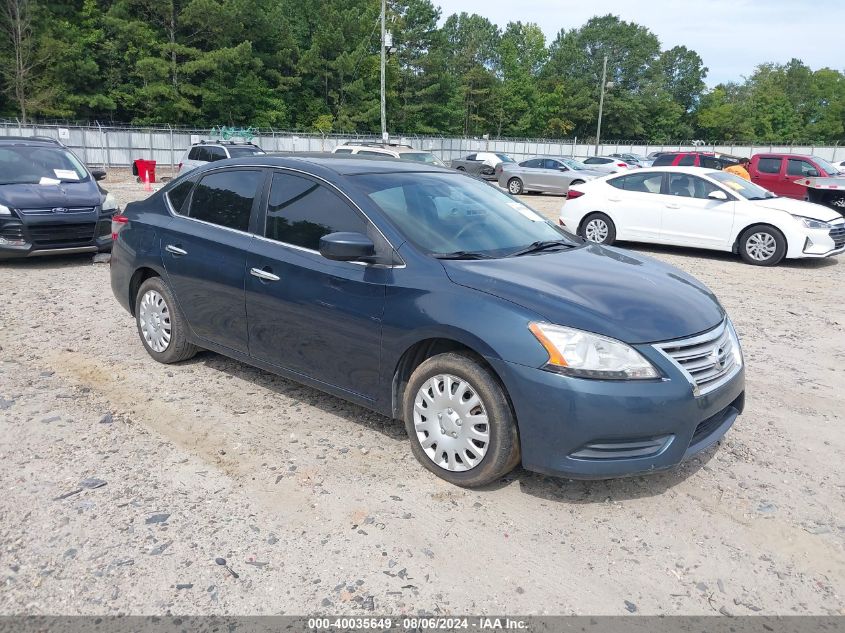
540,245
462,255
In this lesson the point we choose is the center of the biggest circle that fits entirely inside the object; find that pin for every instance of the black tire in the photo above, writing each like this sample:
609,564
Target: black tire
752,237
515,186
609,238
179,347
576,182
502,451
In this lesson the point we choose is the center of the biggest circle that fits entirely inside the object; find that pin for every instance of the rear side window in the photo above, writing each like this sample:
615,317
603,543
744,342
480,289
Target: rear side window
663,160
301,211
225,198
769,165
343,151
534,163
179,194
687,160
712,163
194,154
642,183
216,153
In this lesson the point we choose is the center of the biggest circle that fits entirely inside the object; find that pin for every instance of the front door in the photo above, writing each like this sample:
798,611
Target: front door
797,169
317,317
204,254
690,218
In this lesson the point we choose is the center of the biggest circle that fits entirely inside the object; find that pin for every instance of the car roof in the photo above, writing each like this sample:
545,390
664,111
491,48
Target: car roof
24,140
399,149
341,164
692,171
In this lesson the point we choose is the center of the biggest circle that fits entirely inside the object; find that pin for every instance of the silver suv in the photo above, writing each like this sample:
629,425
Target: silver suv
209,151
389,150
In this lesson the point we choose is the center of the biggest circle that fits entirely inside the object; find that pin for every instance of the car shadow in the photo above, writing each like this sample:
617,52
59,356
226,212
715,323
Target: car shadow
48,262
548,488
702,253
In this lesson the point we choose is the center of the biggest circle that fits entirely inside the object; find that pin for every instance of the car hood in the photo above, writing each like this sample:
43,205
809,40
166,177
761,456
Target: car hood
66,194
798,207
600,289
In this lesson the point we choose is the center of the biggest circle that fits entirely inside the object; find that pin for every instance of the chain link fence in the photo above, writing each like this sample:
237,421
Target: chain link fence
119,145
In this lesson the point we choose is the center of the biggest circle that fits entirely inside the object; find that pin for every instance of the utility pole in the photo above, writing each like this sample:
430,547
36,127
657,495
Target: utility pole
601,104
383,61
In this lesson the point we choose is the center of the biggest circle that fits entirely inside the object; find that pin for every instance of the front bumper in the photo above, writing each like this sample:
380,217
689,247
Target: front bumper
599,429
45,235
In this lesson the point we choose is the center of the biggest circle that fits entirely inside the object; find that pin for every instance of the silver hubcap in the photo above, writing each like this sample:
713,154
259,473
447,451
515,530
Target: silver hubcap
154,319
451,423
596,230
514,186
760,246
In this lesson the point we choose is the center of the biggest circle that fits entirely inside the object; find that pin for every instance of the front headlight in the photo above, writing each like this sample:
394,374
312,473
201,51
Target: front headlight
587,355
4,210
110,203
810,223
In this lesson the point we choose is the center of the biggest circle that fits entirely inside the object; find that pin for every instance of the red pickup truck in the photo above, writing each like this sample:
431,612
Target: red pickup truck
779,172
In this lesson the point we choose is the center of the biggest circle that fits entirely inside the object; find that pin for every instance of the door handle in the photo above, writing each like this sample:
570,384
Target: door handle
673,206
175,250
263,275
614,199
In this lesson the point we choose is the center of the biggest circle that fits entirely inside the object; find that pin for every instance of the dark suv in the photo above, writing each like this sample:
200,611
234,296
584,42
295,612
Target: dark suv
50,202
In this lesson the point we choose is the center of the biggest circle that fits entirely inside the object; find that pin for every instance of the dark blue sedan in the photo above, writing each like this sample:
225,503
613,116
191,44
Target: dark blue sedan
433,298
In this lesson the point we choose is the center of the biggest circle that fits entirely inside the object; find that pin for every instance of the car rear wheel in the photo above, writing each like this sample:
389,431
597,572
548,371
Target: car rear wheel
515,186
762,246
161,325
459,421
598,228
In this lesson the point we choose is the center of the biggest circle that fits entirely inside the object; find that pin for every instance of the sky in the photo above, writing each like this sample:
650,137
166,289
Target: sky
732,36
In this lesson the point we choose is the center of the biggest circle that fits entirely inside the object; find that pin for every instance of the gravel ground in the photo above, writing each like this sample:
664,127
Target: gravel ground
213,487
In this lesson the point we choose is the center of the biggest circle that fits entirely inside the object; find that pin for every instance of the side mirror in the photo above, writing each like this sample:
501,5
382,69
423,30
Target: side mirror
718,195
98,174
813,173
346,247
563,168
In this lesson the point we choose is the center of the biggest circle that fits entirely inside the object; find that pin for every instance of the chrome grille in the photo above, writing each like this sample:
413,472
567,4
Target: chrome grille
708,359
64,210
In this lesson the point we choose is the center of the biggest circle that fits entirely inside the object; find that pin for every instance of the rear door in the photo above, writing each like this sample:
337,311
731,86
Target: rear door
635,207
308,314
205,251
530,174
690,218
766,172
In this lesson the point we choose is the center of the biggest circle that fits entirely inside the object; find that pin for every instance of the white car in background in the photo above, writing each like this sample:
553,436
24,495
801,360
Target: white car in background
605,164
205,152
702,208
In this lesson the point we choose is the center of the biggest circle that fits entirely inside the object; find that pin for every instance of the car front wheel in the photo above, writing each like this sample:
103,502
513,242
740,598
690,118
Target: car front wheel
515,186
762,246
598,228
161,325
459,421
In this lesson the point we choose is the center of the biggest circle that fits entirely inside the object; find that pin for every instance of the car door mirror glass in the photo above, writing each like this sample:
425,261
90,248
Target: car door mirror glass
98,174
718,195
813,173
563,168
346,247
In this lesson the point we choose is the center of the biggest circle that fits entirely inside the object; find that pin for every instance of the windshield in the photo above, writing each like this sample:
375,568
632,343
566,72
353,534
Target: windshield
239,152
505,158
577,165
828,168
39,165
449,213
741,186
422,157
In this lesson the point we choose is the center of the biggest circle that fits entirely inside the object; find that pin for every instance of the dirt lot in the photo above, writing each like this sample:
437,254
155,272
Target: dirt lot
317,505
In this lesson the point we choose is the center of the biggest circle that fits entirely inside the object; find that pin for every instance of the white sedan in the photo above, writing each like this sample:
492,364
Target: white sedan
702,208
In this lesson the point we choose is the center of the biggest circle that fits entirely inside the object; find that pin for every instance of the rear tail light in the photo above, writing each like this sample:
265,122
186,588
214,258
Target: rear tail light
621,164
571,194
117,223
178,169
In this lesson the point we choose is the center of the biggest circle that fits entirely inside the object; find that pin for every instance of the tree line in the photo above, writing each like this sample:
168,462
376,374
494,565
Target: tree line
314,66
